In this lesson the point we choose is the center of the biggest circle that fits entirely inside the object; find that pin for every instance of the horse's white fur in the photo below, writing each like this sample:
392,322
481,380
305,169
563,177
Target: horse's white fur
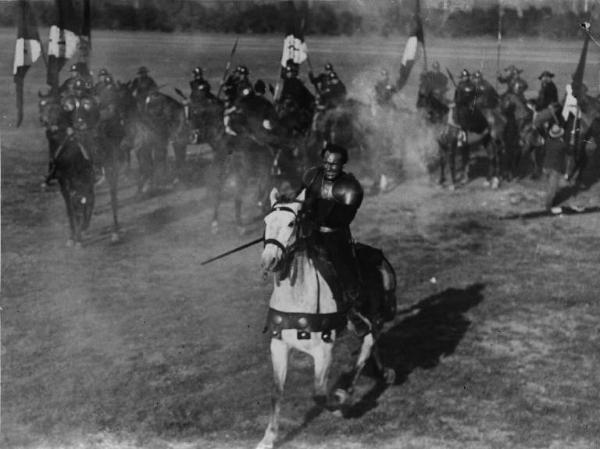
297,293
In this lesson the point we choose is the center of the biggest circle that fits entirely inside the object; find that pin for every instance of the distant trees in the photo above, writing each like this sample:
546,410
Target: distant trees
328,18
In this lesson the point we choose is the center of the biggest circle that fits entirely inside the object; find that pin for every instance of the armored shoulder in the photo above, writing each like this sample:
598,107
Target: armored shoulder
348,191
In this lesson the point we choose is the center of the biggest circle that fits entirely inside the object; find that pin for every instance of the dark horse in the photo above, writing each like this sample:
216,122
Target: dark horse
168,118
74,171
454,139
70,139
245,149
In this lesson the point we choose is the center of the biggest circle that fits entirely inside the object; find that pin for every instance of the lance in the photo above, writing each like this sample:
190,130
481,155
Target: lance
228,66
499,44
235,250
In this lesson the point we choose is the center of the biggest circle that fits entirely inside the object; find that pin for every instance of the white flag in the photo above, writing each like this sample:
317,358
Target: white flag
294,49
62,43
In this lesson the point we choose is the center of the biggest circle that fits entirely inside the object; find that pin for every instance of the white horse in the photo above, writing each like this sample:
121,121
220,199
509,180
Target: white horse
303,313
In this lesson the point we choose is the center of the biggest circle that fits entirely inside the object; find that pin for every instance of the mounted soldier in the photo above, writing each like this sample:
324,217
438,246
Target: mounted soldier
77,70
142,86
467,114
434,83
104,79
509,75
332,200
546,105
293,88
198,83
82,115
335,91
295,106
321,81
486,95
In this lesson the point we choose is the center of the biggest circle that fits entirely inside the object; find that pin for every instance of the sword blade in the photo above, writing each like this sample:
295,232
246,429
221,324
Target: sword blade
235,250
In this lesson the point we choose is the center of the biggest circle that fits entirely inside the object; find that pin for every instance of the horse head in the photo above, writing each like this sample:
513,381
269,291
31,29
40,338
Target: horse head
281,230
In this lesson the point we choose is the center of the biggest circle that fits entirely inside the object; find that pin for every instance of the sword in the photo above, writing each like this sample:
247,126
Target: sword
235,250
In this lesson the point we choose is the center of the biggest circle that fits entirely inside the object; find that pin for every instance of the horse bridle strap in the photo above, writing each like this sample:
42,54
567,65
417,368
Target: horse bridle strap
276,242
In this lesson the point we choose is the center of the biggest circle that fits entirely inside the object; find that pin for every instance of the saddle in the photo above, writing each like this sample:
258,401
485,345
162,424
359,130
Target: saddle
374,301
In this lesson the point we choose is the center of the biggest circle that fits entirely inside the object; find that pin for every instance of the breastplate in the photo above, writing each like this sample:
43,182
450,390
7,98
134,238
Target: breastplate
326,190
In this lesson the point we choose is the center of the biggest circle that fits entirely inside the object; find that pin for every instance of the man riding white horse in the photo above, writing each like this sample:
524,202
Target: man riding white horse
333,198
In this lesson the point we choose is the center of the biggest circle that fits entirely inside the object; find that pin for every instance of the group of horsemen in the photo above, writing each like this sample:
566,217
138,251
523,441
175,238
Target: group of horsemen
475,100
332,195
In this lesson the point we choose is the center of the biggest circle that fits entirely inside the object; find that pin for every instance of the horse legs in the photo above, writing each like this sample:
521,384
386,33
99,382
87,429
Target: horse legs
64,190
366,349
322,357
113,181
279,359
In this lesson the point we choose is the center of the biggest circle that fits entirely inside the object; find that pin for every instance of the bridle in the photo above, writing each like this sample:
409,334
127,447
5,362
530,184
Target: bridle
277,243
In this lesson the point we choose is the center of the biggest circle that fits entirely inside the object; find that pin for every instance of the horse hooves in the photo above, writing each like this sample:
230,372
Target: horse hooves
389,376
114,237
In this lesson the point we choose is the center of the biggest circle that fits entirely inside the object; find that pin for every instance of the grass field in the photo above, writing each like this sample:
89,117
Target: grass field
135,345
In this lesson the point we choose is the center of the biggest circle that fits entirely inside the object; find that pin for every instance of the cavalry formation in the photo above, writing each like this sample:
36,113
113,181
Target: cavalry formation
511,127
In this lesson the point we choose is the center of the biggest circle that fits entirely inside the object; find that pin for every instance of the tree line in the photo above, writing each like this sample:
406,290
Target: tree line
324,18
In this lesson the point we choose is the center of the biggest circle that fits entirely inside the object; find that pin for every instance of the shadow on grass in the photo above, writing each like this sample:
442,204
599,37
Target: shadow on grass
434,329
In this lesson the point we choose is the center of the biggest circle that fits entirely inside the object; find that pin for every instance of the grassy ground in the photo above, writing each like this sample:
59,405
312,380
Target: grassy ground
136,345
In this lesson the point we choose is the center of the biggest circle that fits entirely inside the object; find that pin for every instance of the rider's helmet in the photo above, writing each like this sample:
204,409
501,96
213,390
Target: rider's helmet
329,67
102,72
477,76
333,76
142,70
198,72
384,73
465,75
242,70
435,66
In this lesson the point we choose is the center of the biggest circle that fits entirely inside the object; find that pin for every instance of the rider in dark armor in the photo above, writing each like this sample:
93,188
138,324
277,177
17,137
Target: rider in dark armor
198,83
104,79
333,198
467,114
321,81
384,90
487,97
77,70
335,92
434,83
83,114
141,86
510,73
295,90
